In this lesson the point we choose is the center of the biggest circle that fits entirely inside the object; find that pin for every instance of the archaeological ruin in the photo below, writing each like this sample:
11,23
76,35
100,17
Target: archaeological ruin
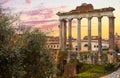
87,11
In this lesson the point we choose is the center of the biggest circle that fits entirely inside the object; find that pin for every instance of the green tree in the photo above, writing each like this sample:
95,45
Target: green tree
38,61
23,55
9,55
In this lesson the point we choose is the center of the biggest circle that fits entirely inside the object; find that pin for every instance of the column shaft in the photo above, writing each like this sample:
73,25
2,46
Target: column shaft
89,34
79,35
70,33
111,34
99,36
60,34
64,34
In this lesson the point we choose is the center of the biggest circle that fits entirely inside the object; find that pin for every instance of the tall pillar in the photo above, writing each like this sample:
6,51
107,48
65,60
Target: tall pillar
70,33
64,34
111,34
79,36
60,34
89,35
99,40
112,56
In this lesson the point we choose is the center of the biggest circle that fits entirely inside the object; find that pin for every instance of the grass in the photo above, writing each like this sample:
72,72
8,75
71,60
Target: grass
92,71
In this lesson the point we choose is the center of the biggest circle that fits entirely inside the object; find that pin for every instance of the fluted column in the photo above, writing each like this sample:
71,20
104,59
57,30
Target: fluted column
79,36
70,33
89,35
111,34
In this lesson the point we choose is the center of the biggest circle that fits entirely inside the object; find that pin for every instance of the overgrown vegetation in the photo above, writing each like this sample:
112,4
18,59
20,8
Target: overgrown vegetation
23,55
94,71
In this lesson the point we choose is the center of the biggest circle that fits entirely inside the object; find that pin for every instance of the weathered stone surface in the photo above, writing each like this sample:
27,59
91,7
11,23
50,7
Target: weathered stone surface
83,8
69,71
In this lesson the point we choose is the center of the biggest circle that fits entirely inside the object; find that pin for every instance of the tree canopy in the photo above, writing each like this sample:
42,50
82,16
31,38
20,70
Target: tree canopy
23,55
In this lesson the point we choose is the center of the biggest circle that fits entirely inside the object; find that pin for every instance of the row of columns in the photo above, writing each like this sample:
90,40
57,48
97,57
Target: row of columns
63,34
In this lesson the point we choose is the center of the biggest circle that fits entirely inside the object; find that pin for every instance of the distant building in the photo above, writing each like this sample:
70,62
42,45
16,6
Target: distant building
94,44
53,42
117,41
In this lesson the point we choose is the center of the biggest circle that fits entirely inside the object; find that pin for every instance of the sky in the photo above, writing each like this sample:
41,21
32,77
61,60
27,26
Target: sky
41,14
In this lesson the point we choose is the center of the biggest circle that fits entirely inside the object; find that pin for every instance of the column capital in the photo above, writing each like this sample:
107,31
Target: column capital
79,18
113,17
89,18
100,17
70,19
64,20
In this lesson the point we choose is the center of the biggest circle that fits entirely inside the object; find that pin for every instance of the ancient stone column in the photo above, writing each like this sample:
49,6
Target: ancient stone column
64,34
99,39
111,34
60,34
79,36
69,38
89,35
70,33
112,56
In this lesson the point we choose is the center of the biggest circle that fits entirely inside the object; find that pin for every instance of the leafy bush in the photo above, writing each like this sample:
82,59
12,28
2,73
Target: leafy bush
109,67
91,71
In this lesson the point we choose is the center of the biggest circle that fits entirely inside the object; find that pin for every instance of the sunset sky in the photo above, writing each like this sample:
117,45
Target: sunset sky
42,14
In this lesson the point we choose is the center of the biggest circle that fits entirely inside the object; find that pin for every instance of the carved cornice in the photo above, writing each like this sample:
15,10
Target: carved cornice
88,8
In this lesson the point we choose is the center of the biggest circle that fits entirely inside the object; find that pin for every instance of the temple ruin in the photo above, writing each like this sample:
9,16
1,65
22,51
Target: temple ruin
87,11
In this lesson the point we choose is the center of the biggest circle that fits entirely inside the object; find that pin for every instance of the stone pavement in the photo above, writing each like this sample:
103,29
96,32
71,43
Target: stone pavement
115,74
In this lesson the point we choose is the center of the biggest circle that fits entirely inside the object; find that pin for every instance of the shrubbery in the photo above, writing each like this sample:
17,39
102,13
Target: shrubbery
109,67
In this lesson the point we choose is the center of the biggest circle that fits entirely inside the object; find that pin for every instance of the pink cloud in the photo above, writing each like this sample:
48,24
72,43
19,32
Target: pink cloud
39,22
44,11
28,1
4,1
50,26
47,13
47,18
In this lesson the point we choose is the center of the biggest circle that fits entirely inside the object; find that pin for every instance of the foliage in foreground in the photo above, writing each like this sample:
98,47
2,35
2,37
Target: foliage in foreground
23,55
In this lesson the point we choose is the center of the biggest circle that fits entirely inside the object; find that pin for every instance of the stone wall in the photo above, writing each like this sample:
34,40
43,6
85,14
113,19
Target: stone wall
90,58
69,71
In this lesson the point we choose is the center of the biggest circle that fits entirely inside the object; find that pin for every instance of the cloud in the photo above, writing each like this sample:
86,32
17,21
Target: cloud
44,13
28,1
42,17
52,26
39,22
42,10
4,1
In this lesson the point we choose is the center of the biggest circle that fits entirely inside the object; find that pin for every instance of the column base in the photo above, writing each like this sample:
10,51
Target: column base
112,57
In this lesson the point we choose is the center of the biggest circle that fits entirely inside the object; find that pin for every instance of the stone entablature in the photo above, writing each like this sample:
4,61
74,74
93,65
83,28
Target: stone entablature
85,11
109,9
85,8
